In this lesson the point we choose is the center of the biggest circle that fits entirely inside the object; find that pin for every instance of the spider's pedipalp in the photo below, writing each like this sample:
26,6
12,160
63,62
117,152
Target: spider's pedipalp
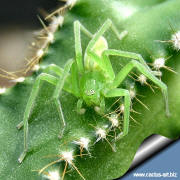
82,111
97,109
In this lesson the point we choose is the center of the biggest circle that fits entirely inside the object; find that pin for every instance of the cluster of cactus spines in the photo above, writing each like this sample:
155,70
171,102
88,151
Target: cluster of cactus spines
45,37
68,157
39,47
101,132
176,40
52,175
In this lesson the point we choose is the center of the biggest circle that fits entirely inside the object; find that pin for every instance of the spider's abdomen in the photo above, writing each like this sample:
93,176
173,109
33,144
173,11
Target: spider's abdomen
98,49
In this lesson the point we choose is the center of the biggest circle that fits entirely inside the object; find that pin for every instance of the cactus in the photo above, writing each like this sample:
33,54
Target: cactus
153,33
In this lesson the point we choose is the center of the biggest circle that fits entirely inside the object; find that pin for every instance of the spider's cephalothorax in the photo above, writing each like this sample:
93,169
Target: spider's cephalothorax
94,80
92,84
91,78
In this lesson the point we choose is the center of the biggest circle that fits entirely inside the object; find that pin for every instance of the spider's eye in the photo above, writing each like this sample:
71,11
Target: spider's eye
90,92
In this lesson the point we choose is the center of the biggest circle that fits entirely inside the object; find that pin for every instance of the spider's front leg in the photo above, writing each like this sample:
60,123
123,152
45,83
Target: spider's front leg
78,49
127,102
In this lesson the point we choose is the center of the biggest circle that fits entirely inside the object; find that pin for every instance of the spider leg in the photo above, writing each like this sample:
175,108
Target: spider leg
127,102
42,77
58,71
80,110
78,49
54,68
108,24
58,89
132,64
142,67
71,79
74,81
101,108
114,52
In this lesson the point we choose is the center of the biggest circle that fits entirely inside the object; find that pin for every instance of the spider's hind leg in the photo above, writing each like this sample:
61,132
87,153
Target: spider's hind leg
47,70
32,98
132,64
57,92
141,65
59,83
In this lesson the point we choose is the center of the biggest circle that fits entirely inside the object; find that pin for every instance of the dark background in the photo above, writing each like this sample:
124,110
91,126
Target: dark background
24,11
18,22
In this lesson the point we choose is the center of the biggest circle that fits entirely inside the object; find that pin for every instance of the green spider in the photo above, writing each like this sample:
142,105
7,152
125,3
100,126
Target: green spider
91,78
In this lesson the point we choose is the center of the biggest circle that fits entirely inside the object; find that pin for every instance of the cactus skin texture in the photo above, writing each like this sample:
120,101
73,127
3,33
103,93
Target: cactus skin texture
145,23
